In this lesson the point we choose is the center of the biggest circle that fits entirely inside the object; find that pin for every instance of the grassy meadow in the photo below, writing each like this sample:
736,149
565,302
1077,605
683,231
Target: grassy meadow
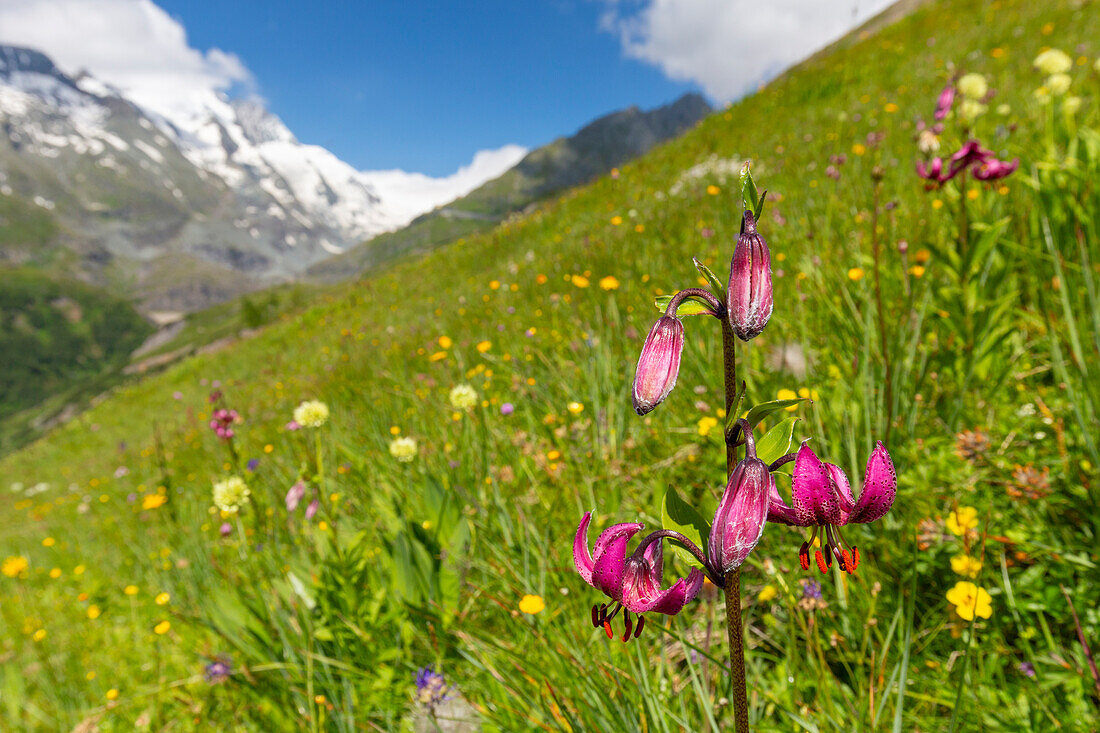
959,324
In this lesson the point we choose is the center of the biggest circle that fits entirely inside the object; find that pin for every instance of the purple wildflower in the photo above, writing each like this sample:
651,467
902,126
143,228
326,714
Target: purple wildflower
431,688
218,671
507,408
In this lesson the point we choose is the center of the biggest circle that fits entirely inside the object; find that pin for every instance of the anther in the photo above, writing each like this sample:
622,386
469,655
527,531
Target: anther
821,562
849,565
595,615
855,558
607,630
804,556
626,634
638,630
828,554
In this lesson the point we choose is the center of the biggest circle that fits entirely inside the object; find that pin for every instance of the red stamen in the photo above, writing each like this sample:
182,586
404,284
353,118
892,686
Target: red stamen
848,564
641,623
855,558
821,562
607,630
626,634
804,556
595,616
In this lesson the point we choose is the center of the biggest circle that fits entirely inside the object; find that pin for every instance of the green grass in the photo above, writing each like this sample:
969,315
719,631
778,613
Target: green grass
409,564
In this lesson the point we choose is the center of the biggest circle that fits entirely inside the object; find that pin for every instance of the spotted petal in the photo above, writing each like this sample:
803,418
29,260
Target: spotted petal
641,589
814,495
880,486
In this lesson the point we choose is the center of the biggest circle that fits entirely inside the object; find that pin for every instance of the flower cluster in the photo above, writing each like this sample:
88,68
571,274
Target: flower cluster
311,414
983,163
231,494
222,421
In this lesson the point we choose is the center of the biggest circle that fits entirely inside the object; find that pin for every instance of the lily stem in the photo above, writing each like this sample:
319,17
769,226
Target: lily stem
732,582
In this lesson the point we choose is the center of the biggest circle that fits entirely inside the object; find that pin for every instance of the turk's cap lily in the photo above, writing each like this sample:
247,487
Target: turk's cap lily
822,498
944,102
993,169
659,364
822,495
633,583
742,513
749,294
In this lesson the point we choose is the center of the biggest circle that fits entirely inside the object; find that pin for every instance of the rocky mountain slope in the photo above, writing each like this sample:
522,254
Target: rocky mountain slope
179,211
595,149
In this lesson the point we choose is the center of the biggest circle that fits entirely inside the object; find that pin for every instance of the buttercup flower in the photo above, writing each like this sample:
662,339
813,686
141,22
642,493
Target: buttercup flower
822,499
966,566
531,605
962,520
1053,61
463,397
311,414
231,494
969,601
13,565
632,583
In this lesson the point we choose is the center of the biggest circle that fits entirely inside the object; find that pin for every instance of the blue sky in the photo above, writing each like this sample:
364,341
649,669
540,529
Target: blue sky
421,85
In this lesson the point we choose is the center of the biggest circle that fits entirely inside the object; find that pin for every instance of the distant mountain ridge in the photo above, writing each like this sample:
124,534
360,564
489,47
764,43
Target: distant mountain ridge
178,211
592,151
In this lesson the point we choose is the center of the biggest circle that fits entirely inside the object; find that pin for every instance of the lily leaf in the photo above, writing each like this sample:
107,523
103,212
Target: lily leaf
716,285
776,443
679,516
749,195
689,306
761,411
735,408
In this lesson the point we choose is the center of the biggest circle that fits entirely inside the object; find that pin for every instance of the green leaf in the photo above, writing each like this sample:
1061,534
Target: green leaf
760,206
735,409
689,306
776,443
749,194
716,285
761,411
679,516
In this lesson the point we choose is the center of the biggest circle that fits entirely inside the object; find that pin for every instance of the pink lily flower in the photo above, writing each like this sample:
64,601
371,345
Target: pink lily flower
943,104
632,583
822,499
993,169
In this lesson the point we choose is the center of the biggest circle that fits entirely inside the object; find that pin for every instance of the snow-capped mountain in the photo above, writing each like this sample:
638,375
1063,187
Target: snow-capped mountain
185,203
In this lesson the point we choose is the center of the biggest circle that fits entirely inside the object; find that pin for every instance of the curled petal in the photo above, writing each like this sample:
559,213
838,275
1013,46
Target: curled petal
778,510
814,494
582,558
609,558
880,486
641,589
843,489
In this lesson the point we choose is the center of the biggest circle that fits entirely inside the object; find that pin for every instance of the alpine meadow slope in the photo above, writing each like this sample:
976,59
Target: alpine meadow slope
478,404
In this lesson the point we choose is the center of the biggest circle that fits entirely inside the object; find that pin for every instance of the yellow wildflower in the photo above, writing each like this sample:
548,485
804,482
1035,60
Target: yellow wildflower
14,565
130,590
531,605
969,600
962,520
162,627
855,274
152,501
311,414
484,346
767,593
580,281
575,408
706,424
609,283
966,565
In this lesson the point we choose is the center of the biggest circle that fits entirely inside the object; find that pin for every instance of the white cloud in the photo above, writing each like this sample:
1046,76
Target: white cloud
411,194
136,46
730,46
131,44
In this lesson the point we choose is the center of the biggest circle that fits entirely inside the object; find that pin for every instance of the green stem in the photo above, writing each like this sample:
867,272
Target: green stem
734,627
876,245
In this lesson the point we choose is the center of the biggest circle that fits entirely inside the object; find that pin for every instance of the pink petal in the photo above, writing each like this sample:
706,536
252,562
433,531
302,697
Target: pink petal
582,559
778,510
880,486
741,515
814,495
610,557
844,489
642,590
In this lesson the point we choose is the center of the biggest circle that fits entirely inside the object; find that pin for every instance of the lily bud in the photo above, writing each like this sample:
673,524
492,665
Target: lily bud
741,514
659,364
749,299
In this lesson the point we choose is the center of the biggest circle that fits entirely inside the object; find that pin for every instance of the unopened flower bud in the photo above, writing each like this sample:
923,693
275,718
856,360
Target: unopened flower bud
749,299
741,514
659,364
